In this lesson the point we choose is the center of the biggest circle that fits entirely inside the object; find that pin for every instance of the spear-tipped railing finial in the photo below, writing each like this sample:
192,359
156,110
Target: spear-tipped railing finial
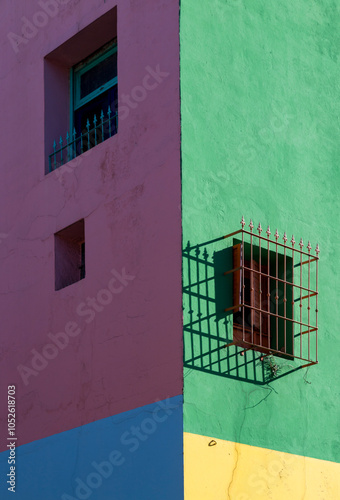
243,222
259,228
276,235
268,231
285,237
301,244
293,241
309,246
317,250
251,225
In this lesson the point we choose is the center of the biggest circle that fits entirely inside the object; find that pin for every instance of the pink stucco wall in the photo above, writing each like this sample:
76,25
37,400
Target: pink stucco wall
128,353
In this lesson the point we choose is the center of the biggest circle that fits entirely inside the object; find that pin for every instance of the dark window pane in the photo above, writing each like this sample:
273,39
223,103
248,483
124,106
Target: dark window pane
97,76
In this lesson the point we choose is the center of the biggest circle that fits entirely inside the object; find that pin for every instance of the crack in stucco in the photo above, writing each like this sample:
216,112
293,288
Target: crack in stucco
271,389
233,471
237,441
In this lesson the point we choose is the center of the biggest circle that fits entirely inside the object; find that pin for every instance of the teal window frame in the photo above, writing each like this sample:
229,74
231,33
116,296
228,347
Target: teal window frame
79,69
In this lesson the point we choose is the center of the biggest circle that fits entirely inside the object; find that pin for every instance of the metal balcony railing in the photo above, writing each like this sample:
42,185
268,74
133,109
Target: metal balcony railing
98,131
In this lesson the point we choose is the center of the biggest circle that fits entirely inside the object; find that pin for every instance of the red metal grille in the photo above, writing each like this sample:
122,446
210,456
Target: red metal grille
275,308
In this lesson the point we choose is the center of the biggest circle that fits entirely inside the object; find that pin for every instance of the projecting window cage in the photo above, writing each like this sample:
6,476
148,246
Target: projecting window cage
275,295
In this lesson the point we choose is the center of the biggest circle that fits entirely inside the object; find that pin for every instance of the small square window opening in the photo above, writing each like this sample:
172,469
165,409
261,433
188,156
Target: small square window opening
69,245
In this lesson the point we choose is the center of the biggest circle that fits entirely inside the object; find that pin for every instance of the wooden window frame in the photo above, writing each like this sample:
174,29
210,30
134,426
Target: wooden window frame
252,327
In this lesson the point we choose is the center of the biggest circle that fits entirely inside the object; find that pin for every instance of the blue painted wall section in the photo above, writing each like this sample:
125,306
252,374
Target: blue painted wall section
134,455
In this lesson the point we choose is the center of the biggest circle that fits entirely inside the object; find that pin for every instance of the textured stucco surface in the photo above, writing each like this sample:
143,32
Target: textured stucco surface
260,137
120,457
220,470
128,352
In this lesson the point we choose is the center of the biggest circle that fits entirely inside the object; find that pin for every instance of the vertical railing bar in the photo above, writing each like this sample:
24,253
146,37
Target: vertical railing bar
268,285
285,293
252,312
95,129
242,267
61,150
276,290
190,304
102,124
301,246
67,147
88,134
308,308
109,115
293,243
74,143
316,303
205,255
259,228
197,251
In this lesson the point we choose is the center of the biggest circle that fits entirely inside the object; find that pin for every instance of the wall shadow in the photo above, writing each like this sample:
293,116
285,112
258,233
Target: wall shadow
207,328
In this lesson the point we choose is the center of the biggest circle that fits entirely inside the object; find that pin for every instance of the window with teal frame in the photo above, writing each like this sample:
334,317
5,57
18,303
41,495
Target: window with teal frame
93,105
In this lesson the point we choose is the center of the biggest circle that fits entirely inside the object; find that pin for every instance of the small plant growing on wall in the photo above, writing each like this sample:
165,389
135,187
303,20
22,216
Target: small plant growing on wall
271,367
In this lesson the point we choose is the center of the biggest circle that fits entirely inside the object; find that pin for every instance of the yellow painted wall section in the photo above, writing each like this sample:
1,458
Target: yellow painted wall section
215,469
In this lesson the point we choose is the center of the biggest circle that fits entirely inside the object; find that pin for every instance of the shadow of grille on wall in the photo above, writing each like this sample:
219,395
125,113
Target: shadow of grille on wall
101,128
252,295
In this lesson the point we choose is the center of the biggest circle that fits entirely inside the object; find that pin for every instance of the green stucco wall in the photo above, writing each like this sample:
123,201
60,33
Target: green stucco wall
260,138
